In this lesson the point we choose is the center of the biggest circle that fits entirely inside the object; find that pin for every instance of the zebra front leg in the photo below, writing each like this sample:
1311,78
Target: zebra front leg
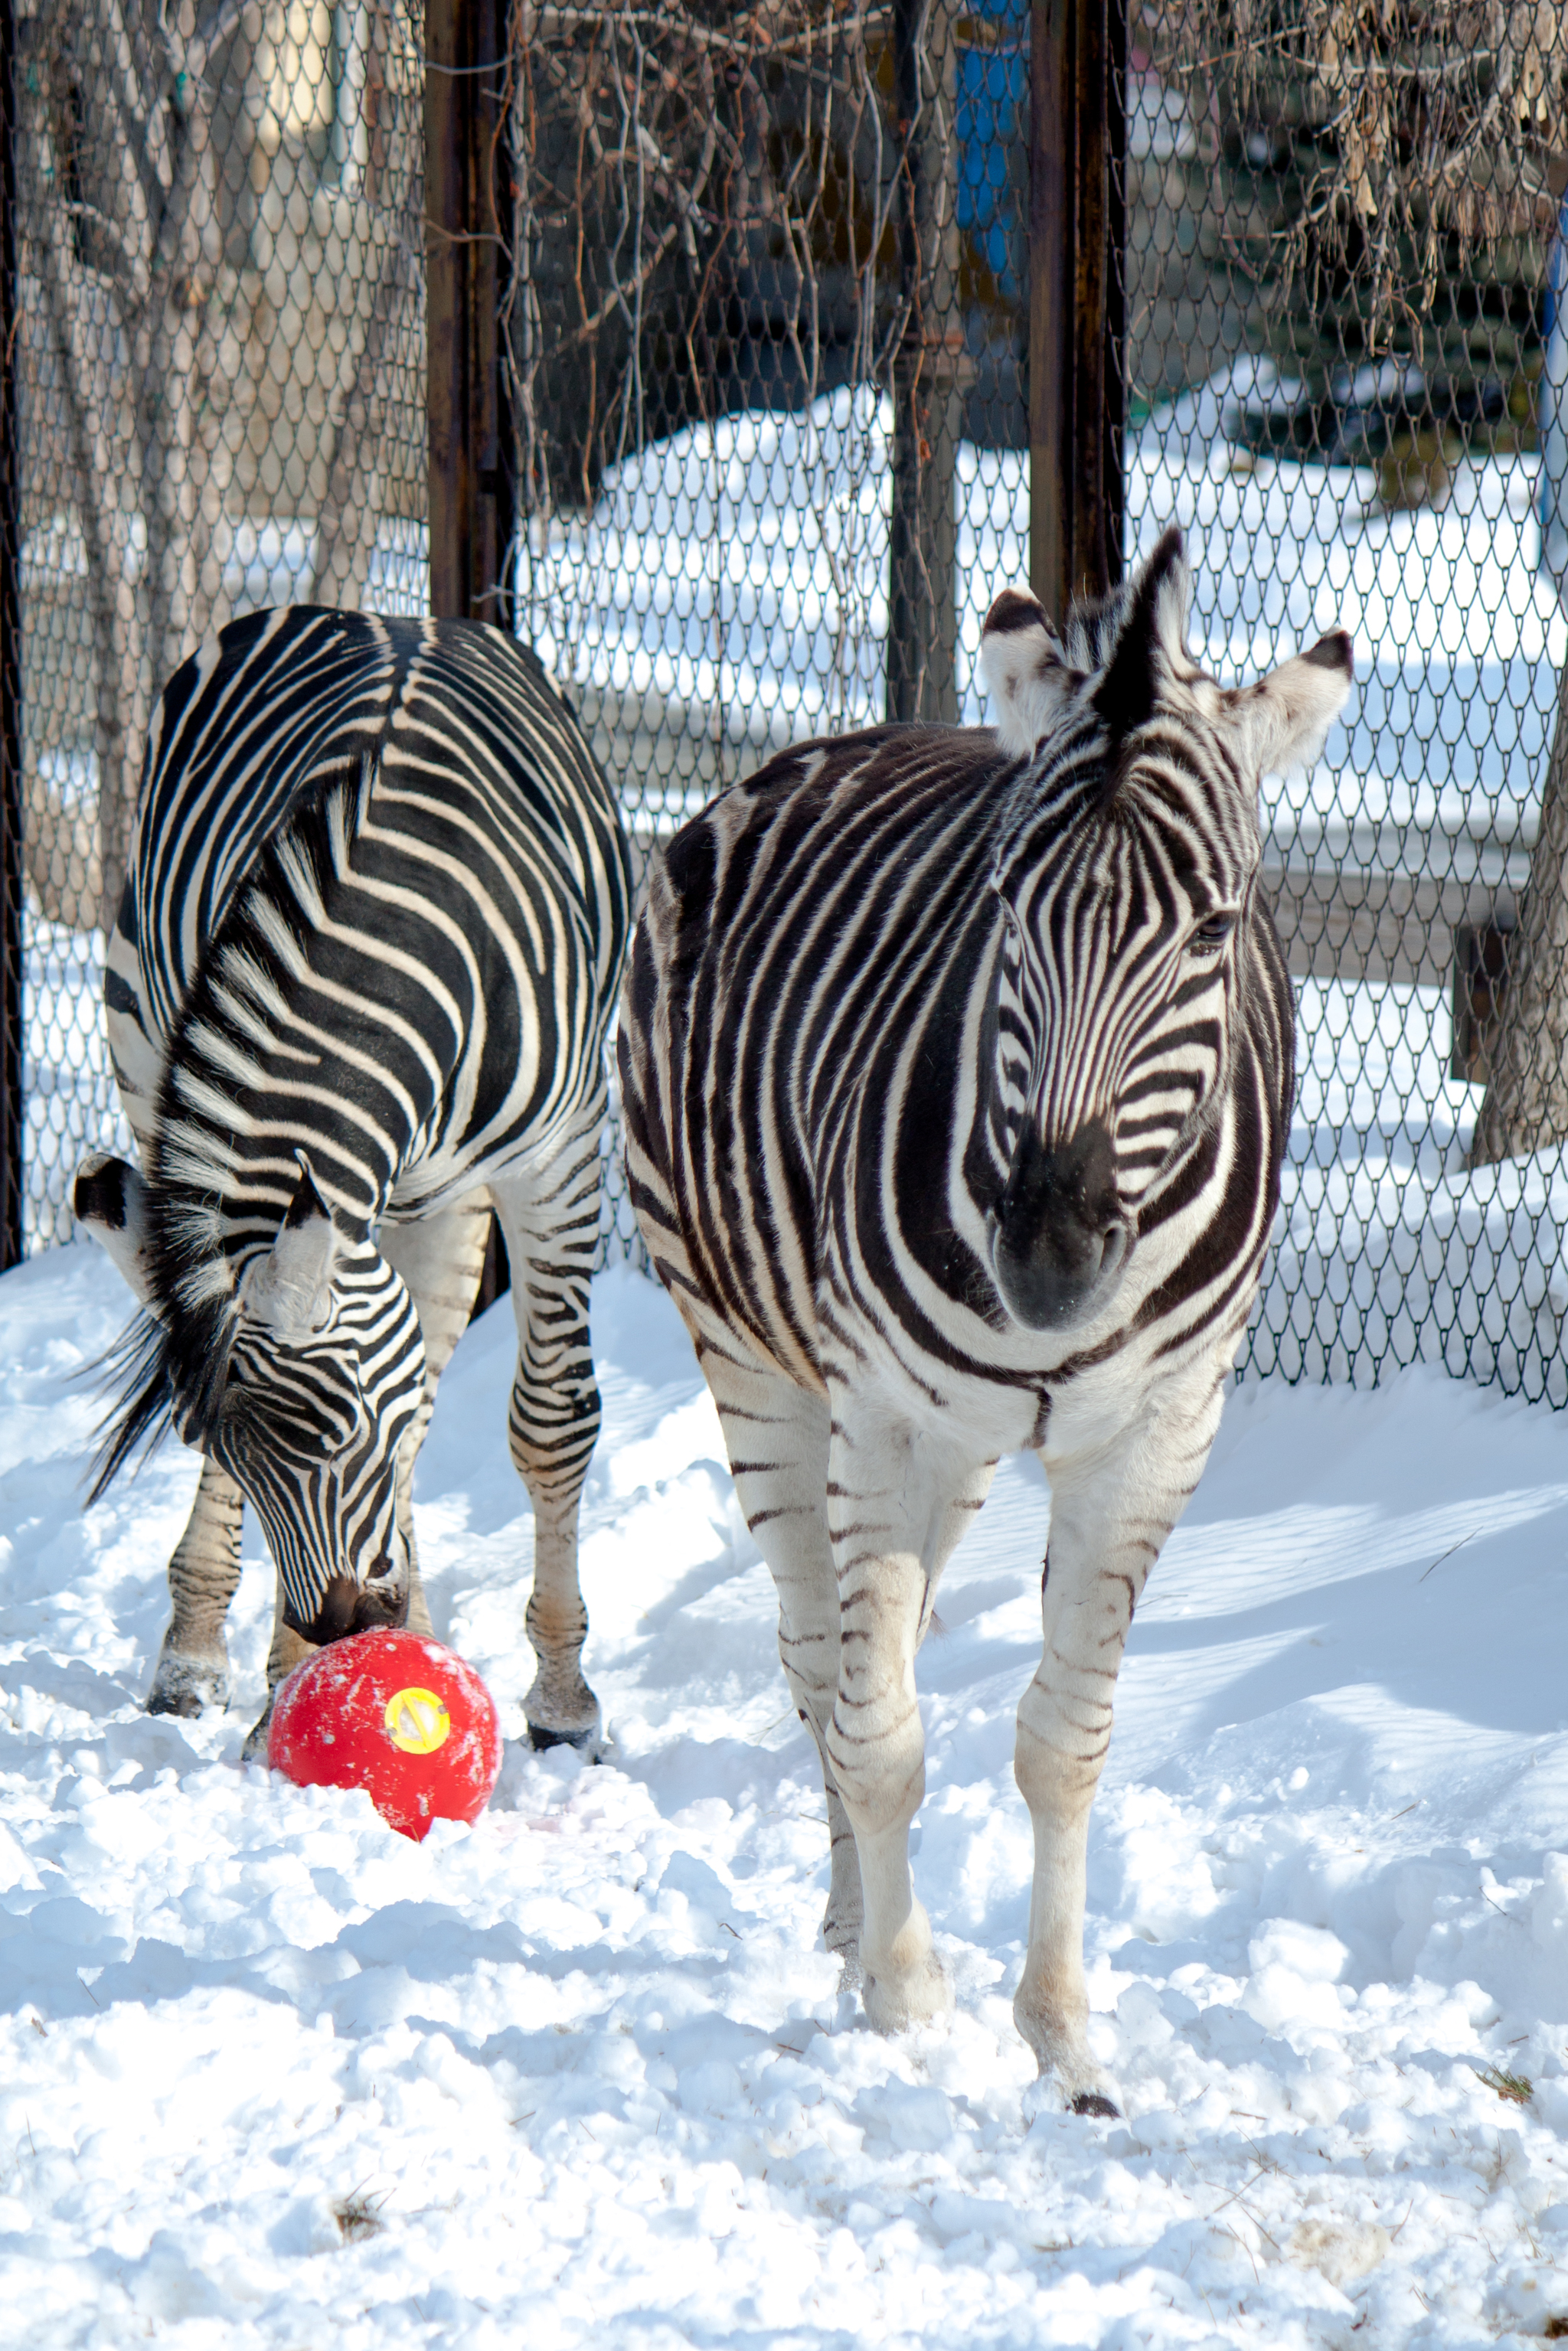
441,1258
192,1669
1111,1513
550,1220
776,1435
288,1650
897,1504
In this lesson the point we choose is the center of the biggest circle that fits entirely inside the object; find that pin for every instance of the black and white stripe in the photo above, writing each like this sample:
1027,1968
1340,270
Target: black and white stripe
357,998
957,1071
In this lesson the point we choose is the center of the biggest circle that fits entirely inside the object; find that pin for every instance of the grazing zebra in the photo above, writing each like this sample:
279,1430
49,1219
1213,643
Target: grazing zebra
957,1071
357,998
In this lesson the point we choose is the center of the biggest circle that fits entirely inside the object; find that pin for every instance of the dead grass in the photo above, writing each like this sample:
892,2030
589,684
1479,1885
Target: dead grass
1518,2088
359,2216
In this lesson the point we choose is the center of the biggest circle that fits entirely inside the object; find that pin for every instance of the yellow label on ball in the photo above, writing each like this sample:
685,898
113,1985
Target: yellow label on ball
417,1721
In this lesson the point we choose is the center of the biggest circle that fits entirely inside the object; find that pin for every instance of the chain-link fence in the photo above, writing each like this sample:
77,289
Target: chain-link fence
768,328
221,366
1346,366
766,333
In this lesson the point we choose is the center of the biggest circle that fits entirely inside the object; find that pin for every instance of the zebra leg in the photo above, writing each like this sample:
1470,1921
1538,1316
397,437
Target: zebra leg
550,1220
192,1669
899,1500
777,1434
1111,1511
441,1258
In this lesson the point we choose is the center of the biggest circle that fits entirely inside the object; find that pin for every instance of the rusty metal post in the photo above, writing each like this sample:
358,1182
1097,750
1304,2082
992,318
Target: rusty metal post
1076,406
13,1130
473,472
473,493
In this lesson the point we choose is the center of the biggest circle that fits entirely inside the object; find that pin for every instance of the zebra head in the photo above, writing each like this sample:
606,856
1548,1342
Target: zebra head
299,1377
1127,876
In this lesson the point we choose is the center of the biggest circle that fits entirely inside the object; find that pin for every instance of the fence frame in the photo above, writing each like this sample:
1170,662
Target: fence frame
13,1109
1077,390
473,470
471,488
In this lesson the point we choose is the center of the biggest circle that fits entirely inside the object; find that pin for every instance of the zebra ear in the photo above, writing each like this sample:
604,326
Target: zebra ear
1150,639
289,1290
1024,674
109,1200
1286,716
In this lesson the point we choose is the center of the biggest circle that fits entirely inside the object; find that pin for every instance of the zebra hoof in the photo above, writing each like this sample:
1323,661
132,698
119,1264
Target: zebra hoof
188,1687
1093,2101
587,1742
562,1711
255,1748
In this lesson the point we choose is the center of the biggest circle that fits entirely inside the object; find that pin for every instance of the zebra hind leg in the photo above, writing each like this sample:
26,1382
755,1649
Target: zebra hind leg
551,1225
441,1258
288,1650
192,1669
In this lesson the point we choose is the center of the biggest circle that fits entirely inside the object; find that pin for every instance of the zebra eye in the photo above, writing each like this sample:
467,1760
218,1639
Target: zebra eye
1212,933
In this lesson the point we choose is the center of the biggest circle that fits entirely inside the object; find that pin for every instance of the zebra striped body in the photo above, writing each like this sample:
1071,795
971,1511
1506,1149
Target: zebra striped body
358,996
957,1071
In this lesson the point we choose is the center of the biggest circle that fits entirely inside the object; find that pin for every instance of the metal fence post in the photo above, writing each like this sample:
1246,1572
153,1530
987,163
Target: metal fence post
473,470
1078,65
927,401
473,494
12,1122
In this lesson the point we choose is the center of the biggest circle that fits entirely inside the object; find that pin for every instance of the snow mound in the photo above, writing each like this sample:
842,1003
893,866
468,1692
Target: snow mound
272,2075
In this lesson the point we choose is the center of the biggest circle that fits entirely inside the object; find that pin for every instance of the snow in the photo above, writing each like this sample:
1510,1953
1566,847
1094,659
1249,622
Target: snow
581,2068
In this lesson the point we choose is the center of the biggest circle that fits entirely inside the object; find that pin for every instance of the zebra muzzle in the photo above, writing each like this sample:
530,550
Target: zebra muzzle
349,1608
1061,1238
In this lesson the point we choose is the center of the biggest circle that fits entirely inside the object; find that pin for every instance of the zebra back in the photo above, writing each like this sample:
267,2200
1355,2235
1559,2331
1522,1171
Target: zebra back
254,728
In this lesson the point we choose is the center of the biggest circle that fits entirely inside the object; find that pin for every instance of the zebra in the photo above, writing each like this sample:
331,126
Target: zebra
357,998
955,1069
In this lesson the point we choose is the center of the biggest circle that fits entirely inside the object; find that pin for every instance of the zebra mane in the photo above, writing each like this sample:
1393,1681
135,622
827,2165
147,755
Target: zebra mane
170,1374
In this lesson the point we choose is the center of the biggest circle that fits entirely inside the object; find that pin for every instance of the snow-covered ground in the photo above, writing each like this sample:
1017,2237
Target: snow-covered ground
273,2077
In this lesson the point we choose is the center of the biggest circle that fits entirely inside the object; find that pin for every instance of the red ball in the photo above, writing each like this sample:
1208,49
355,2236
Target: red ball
397,1714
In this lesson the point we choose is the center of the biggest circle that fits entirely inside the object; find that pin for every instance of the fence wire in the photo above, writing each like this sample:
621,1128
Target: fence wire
768,324
1345,356
765,334
222,392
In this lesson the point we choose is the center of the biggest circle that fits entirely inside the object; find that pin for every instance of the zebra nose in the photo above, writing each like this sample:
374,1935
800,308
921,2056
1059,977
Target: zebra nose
348,1607
1062,1239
